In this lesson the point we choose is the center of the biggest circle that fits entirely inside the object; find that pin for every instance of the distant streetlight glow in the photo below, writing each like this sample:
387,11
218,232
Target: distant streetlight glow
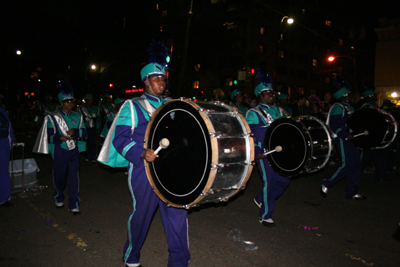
93,67
18,52
394,94
331,58
290,21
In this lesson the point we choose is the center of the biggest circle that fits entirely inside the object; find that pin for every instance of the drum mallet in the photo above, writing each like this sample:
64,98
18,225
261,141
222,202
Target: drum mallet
277,149
164,143
363,133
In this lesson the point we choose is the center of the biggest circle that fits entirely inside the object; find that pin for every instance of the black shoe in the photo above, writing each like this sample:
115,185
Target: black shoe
357,197
126,265
323,191
7,204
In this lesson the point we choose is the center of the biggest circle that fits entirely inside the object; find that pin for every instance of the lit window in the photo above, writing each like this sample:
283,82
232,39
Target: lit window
262,30
196,84
229,81
301,90
197,67
328,23
353,48
157,7
303,11
340,41
232,26
281,54
281,37
261,49
163,13
161,27
314,62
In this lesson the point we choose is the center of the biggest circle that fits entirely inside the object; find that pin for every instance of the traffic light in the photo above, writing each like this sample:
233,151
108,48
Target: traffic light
235,82
110,85
168,59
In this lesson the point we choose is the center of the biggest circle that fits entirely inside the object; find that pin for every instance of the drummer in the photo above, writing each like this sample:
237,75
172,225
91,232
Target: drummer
378,156
259,118
128,135
350,156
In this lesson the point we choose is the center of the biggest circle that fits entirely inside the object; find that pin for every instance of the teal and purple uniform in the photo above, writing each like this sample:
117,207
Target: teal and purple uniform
7,139
273,184
128,139
350,156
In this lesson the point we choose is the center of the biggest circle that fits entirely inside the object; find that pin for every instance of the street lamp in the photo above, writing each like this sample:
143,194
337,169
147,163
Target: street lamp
333,58
93,67
280,38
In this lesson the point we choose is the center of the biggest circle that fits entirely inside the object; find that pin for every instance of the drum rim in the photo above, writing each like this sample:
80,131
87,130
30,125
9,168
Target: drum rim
214,154
393,122
213,157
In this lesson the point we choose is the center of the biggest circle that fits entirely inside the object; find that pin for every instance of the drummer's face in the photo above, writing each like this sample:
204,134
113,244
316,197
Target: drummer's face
268,97
157,83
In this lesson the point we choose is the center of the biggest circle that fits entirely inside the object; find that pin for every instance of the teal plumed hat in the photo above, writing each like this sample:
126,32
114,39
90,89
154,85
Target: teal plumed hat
265,81
343,87
369,88
284,93
282,96
120,96
66,91
234,93
158,65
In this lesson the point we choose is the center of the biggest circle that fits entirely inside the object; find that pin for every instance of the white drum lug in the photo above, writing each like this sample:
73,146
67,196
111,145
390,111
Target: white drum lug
217,166
181,99
215,135
203,194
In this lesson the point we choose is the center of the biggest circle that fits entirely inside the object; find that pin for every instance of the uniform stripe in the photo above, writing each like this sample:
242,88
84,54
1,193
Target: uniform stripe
343,161
265,189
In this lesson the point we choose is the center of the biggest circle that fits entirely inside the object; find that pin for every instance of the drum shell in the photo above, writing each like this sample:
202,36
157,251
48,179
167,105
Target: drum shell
226,140
306,145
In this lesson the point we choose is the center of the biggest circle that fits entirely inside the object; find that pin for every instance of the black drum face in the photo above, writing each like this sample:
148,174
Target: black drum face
181,171
371,120
295,147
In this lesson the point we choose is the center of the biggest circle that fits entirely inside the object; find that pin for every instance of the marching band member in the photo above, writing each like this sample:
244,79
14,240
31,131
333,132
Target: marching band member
124,147
92,117
237,101
283,100
57,136
7,141
44,109
349,154
378,156
259,118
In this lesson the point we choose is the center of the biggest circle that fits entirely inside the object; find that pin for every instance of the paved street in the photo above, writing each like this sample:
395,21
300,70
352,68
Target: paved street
311,230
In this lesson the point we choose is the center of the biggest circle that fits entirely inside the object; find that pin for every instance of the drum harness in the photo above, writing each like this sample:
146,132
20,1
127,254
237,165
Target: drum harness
345,108
268,117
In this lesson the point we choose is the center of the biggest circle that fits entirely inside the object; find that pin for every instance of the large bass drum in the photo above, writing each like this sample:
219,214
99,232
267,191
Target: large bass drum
210,156
380,126
306,145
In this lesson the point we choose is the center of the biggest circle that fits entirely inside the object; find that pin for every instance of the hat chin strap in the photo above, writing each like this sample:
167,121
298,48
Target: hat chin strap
149,85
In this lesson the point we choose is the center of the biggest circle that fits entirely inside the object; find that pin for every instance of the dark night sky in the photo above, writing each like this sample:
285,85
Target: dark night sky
53,34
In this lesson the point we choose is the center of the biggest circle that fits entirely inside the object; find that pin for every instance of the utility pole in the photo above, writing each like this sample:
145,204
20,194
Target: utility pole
185,48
